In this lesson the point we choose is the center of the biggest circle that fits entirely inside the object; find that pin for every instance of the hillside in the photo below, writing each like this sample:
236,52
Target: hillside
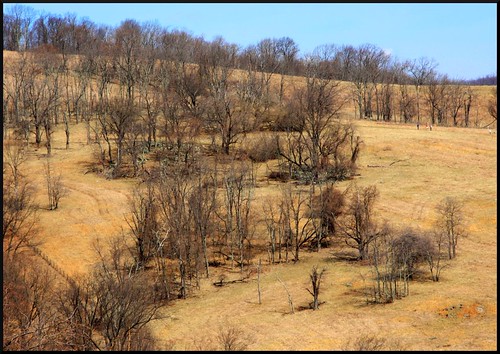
457,313
413,170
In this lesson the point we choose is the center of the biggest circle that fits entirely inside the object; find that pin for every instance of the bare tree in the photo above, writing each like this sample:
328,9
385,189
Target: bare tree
492,105
179,131
15,75
144,222
14,155
232,339
324,209
315,277
19,215
122,114
290,299
135,147
411,248
436,254
436,96
451,222
287,51
421,70
55,187
357,226
188,82
147,73
203,204
224,118
127,54
406,101
273,230
76,85
297,227
456,95
388,286
469,97
366,342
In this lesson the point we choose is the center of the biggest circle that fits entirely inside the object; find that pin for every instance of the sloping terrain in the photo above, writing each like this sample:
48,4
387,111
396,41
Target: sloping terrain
412,169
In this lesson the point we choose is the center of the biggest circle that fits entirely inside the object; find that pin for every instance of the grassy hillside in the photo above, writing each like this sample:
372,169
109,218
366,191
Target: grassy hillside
413,170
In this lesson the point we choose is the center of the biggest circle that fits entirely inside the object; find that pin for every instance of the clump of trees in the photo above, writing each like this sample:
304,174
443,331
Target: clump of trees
19,206
323,147
107,310
397,256
55,187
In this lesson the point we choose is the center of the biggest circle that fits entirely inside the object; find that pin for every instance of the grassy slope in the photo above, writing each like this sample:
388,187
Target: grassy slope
426,166
445,162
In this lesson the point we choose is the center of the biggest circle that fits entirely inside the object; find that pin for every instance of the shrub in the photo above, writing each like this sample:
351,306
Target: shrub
262,148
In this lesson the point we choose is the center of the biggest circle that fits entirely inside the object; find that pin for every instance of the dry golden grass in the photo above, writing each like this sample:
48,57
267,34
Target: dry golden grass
416,169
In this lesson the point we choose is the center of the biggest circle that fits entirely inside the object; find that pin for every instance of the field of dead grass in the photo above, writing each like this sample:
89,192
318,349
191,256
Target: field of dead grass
413,170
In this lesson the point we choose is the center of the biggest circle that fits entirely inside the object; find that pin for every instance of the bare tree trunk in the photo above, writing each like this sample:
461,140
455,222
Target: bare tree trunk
290,300
258,280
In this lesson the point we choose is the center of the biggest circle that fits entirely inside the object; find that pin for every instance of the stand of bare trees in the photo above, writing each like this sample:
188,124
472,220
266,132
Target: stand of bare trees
147,95
323,147
395,258
234,214
451,223
19,207
55,187
358,226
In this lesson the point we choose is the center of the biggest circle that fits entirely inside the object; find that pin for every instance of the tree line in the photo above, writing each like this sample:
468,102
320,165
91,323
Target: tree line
380,82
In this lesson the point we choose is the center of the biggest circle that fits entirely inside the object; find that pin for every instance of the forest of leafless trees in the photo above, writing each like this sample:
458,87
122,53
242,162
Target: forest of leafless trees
147,97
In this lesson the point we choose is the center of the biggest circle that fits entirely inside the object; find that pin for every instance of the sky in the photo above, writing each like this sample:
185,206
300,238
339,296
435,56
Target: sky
460,37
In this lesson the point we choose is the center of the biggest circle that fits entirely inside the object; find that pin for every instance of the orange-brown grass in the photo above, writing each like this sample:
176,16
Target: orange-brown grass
412,169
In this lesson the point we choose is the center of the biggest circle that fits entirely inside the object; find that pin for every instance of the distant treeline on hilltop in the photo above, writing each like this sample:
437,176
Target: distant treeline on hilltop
26,29
488,80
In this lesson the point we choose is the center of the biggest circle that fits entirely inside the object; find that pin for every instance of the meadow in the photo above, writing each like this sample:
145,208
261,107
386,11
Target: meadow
413,171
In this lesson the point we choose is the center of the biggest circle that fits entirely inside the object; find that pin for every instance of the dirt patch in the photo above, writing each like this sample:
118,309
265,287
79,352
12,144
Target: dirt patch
463,311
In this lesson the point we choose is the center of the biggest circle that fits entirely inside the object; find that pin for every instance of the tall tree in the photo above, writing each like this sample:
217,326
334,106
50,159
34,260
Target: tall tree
17,23
127,55
223,115
421,70
451,223
357,226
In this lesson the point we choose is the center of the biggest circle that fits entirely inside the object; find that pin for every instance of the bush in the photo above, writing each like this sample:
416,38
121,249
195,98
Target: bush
411,249
262,148
287,123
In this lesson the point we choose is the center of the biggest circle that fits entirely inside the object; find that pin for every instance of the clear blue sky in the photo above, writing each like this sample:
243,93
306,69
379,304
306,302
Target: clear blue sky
460,37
